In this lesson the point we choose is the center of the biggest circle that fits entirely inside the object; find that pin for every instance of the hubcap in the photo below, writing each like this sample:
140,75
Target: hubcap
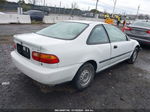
85,77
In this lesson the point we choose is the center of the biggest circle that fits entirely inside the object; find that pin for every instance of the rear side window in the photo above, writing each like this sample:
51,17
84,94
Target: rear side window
98,36
142,24
63,30
115,34
36,13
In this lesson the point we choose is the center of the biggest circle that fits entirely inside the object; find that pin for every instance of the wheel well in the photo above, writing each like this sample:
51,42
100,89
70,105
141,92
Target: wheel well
139,48
93,63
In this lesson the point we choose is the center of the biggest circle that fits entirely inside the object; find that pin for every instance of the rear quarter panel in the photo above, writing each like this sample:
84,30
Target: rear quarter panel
74,51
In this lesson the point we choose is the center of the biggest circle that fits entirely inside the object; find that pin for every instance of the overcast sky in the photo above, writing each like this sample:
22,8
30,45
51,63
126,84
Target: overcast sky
123,6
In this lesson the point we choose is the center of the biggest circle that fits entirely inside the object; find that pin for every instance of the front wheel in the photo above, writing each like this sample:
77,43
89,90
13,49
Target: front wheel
84,76
133,56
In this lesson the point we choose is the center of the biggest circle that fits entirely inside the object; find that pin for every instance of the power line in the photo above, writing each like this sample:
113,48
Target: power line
103,4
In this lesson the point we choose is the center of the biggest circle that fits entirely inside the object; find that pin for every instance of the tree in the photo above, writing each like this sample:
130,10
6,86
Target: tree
21,2
94,11
76,9
2,1
26,7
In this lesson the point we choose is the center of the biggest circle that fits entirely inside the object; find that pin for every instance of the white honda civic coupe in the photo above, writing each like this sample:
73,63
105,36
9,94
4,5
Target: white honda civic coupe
72,51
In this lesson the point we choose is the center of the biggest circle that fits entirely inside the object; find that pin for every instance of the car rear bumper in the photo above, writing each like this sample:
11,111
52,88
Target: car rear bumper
49,76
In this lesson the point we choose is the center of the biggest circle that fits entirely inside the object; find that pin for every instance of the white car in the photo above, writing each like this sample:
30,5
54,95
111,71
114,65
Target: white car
72,51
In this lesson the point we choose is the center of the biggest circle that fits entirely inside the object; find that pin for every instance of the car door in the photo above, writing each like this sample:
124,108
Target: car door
99,42
121,46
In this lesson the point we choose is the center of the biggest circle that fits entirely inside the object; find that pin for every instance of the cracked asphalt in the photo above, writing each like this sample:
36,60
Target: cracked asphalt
123,86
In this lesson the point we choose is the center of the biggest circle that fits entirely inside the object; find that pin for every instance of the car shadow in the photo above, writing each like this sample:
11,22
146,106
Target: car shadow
68,88
145,47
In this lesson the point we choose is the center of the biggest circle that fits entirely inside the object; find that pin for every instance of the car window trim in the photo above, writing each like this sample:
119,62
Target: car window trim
98,42
106,33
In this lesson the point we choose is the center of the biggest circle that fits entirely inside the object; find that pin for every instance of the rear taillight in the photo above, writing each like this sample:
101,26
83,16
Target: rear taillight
45,58
126,29
148,31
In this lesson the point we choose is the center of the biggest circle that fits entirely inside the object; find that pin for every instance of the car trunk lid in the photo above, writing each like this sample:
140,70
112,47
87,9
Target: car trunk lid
27,43
139,32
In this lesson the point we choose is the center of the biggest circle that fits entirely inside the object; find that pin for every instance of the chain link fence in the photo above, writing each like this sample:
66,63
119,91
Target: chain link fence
11,6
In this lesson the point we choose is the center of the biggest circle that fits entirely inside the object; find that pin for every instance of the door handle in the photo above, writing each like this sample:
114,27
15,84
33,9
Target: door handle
115,46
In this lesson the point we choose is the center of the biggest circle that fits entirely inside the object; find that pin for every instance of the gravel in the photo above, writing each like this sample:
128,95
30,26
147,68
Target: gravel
123,86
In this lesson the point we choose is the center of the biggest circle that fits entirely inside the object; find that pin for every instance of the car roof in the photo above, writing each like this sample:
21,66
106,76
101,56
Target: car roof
142,21
30,11
86,22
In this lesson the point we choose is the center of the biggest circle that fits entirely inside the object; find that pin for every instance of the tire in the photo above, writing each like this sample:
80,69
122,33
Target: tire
133,56
84,76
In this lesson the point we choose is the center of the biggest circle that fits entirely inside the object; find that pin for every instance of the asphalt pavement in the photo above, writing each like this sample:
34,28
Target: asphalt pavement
123,86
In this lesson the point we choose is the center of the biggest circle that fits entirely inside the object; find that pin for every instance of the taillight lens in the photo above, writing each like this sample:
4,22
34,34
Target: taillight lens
126,29
45,58
148,31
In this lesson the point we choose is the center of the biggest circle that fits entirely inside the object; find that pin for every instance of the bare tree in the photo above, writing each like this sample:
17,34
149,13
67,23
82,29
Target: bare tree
74,5
34,2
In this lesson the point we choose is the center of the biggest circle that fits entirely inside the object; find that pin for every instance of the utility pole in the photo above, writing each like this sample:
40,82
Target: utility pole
96,8
137,11
60,4
88,8
96,4
44,2
115,2
60,7
19,9
44,6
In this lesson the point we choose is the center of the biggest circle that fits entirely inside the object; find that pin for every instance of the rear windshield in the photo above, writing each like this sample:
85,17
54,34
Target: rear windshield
142,24
63,30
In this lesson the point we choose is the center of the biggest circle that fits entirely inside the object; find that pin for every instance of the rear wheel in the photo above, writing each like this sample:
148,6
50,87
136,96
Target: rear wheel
84,76
133,56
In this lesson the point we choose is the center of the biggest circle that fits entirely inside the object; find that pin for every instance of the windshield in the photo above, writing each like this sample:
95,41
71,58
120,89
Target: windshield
142,24
63,30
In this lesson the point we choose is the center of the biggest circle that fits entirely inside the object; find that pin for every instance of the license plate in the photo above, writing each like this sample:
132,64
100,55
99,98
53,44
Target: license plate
24,51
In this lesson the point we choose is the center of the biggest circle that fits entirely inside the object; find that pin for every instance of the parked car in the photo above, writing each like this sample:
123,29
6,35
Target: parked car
139,30
72,51
35,15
